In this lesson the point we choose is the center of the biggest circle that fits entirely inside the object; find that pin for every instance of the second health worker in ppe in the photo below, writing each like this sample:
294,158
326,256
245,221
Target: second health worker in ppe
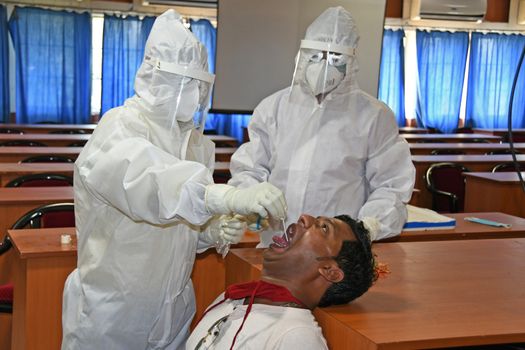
329,146
145,202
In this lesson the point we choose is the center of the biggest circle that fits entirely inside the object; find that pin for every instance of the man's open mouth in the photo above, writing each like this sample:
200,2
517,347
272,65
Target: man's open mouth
282,243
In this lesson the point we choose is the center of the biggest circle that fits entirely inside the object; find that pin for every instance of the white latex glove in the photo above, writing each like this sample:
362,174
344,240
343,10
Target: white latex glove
232,228
224,229
263,199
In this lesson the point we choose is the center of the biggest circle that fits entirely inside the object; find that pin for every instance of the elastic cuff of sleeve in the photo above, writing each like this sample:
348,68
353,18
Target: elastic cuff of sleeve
372,225
214,198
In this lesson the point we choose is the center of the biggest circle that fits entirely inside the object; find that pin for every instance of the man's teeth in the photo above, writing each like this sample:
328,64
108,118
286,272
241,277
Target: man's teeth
281,242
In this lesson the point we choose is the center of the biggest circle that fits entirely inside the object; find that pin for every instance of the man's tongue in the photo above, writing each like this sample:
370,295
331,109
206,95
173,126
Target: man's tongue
280,241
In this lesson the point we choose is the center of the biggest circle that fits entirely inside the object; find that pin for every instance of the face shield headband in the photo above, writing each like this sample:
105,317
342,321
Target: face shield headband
192,89
329,47
320,68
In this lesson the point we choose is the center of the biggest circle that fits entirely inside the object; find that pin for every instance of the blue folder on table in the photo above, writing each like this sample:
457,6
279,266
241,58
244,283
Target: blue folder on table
426,219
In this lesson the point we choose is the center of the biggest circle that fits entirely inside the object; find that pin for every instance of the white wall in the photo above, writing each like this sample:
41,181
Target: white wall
257,42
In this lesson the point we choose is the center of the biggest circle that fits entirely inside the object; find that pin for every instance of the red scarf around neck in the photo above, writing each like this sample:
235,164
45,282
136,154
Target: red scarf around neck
256,289
263,290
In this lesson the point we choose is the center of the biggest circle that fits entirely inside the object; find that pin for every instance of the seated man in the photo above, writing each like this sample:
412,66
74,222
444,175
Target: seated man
317,262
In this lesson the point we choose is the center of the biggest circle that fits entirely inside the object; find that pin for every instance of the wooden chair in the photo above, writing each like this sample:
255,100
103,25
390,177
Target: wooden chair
430,141
22,143
446,183
10,131
48,158
501,151
516,137
463,130
41,180
68,131
433,130
77,144
505,167
476,140
436,152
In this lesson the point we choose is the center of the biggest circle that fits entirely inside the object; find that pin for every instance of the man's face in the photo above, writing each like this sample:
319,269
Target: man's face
310,241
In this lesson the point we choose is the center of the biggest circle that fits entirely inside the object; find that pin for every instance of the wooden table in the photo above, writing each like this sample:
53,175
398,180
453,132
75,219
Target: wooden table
467,230
16,154
499,131
42,265
11,171
472,162
438,294
15,202
224,154
52,140
46,128
223,140
64,140
467,148
455,138
495,191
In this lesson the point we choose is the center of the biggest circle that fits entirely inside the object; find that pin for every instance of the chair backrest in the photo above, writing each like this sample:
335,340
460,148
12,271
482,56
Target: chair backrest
22,143
505,167
48,158
41,180
10,131
464,130
433,130
447,185
501,151
446,151
221,178
5,245
476,140
67,131
430,141
46,216
77,144
516,137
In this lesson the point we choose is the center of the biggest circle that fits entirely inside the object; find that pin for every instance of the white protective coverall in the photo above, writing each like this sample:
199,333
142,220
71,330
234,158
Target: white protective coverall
139,200
342,155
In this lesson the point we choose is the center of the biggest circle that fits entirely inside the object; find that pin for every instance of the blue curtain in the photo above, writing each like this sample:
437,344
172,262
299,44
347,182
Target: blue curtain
391,74
122,54
493,63
442,58
4,67
223,124
53,65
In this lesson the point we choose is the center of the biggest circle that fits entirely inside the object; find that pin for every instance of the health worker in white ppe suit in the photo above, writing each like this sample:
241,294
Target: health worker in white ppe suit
329,146
145,203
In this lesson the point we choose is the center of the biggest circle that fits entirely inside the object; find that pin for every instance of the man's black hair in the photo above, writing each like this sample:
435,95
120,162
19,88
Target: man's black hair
357,262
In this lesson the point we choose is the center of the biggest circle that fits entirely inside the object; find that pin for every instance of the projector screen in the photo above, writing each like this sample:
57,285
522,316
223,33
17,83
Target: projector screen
257,41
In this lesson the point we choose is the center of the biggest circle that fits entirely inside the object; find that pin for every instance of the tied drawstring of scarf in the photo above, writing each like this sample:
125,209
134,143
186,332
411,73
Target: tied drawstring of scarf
255,289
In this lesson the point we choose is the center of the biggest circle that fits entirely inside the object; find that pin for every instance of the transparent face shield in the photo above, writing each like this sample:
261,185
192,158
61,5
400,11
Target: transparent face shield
320,68
184,92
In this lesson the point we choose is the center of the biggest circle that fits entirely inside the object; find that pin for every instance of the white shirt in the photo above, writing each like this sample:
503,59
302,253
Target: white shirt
266,327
